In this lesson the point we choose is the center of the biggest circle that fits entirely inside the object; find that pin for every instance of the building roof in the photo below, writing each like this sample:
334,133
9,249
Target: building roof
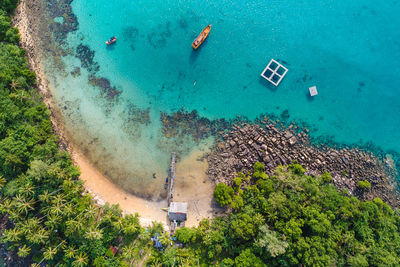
179,217
178,207
177,211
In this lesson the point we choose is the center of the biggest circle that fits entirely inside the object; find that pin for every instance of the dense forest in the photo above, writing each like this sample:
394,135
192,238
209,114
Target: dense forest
287,219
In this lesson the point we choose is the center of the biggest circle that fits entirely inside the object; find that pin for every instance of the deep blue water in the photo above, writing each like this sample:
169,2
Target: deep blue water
349,49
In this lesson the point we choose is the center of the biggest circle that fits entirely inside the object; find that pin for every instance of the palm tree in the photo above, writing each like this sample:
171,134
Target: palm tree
26,189
29,226
73,226
119,224
129,252
38,237
130,229
156,227
45,197
11,235
15,214
68,209
6,206
70,185
91,212
57,204
156,263
22,204
14,84
94,233
81,260
165,239
24,251
70,252
2,182
52,221
49,253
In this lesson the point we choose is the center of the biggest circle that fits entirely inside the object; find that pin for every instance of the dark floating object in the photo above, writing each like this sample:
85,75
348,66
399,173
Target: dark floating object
112,40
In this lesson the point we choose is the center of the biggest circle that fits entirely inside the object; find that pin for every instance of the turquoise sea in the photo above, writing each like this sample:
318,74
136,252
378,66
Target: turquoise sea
349,49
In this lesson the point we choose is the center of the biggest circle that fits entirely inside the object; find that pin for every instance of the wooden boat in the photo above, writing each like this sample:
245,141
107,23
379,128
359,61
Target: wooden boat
202,36
112,40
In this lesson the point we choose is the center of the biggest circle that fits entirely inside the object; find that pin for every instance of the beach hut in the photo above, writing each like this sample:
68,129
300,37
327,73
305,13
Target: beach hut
177,211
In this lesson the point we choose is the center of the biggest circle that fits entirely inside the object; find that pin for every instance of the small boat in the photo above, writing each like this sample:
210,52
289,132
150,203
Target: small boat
202,36
166,183
112,40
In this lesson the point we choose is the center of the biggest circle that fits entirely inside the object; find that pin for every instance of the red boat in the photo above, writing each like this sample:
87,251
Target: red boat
112,40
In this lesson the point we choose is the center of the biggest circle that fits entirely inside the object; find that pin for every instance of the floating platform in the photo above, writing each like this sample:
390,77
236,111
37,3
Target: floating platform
313,90
274,72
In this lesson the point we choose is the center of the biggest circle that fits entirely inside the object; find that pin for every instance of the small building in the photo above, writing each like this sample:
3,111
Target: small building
177,211
113,250
274,72
313,90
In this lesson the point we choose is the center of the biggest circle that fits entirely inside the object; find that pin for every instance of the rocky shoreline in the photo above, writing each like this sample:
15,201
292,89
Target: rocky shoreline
272,145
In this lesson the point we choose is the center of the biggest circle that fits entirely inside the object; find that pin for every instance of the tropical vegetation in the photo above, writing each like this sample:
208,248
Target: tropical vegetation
286,219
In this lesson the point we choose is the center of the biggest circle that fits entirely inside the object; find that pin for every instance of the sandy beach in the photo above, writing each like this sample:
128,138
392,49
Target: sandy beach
192,185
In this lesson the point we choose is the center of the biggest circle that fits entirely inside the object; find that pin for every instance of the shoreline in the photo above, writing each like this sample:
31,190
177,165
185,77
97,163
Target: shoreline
96,184
220,159
101,189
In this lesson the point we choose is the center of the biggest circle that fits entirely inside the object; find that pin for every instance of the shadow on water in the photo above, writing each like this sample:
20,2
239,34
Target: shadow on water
195,53
267,84
110,47
309,97
193,56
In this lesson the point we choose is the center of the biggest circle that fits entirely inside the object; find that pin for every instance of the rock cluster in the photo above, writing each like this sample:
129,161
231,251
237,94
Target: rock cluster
244,145
181,123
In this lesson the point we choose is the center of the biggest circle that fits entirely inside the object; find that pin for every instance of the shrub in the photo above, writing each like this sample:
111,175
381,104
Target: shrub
297,168
237,181
258,166
259,171
237,202
326,177
185,235
223,194
364,185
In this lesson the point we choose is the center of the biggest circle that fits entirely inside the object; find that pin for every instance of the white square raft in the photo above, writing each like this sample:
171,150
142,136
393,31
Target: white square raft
274,72
313,90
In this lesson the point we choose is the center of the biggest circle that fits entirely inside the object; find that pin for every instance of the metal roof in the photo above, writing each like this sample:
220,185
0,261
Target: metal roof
179,217
178,207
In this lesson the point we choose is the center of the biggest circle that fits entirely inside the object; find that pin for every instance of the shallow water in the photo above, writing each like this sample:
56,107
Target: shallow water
349,49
